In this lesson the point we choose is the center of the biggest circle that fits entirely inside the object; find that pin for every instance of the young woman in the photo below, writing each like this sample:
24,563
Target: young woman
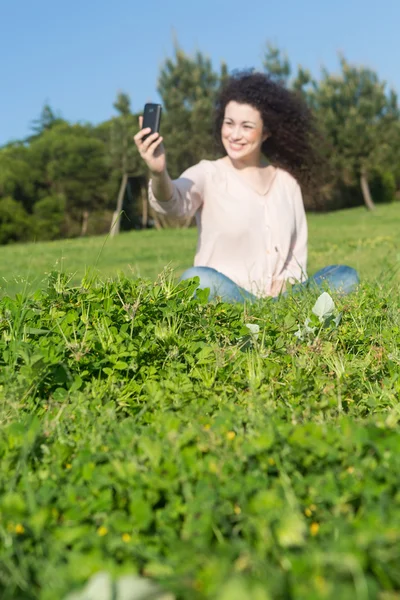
248,205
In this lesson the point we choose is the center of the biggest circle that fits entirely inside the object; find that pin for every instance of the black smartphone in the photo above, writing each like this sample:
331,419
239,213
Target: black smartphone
151,118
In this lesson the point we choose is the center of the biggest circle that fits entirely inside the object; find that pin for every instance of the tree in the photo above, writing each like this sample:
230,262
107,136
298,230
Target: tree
72,160
359,117
19,175
14,222
123,161
303,80
188,88
46,120
49,217
359,120
277,64
122,131
117,136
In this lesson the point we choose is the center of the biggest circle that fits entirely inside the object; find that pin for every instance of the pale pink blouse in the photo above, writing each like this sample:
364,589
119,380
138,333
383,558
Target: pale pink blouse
257,240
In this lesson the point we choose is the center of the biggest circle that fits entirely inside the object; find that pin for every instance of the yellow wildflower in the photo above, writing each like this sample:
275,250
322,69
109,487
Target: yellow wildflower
242,563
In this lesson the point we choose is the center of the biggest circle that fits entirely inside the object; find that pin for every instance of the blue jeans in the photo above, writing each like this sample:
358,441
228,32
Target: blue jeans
337,278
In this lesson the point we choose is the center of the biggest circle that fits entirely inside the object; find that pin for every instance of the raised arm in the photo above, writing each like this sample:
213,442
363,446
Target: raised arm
181,197
185,196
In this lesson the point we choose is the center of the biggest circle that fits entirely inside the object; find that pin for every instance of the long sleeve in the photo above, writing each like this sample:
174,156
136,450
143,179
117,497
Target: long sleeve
188,193
295,267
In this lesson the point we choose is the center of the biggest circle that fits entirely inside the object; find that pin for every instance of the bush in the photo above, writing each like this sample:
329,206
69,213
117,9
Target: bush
14,221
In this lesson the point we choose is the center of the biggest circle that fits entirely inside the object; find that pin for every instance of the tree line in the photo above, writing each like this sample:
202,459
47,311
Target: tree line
64,179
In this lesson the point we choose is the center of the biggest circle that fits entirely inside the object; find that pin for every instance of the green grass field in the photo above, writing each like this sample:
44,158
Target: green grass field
154,437
370,242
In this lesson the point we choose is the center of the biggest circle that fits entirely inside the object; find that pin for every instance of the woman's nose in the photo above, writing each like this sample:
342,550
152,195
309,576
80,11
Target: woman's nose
236,133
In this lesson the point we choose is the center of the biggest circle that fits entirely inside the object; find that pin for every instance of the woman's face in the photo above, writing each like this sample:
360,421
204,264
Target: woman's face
242,132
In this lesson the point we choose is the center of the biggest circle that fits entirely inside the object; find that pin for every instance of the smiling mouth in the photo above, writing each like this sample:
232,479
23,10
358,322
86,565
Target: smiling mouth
236,146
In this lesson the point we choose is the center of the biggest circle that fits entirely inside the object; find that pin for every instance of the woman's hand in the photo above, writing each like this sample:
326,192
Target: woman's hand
151,149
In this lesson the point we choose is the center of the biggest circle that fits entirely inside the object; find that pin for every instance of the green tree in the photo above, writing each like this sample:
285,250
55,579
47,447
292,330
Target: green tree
123,161
14,221
188,88
72,160
122,151
46,120
49,217
19,174
117,136
360,119
276,64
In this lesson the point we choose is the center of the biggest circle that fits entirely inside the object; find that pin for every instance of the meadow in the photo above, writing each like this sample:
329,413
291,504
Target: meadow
367,241
223,452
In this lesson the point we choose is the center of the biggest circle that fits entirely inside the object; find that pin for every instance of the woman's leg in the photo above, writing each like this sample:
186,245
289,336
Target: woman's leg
338,278
219,285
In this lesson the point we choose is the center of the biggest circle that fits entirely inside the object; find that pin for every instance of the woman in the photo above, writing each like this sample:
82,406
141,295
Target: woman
249,211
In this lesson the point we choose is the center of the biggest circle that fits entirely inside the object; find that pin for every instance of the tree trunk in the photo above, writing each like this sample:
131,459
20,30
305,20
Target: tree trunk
85,219
115,223
366,191
157,220
145,208
187,222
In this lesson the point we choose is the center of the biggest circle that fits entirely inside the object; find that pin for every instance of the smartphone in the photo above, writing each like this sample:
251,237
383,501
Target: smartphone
152,118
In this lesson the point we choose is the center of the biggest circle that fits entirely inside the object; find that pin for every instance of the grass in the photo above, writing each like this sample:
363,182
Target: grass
148,434
367,241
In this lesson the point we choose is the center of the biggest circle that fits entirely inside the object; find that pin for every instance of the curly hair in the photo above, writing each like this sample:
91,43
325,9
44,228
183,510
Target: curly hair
285,117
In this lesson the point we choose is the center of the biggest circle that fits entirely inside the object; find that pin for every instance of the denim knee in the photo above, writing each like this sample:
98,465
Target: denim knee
205,274
341,278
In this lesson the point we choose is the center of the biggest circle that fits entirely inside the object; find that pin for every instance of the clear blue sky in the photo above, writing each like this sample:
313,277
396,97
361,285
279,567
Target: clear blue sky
76,55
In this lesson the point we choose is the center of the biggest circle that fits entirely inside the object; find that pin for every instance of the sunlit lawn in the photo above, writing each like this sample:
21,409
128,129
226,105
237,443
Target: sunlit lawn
370,242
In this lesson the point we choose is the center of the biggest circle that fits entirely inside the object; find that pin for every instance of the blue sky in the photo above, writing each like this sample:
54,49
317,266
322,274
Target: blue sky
76,55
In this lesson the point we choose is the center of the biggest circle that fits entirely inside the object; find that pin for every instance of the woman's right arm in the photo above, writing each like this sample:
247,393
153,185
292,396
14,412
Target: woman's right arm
152,151
181,197
162,186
